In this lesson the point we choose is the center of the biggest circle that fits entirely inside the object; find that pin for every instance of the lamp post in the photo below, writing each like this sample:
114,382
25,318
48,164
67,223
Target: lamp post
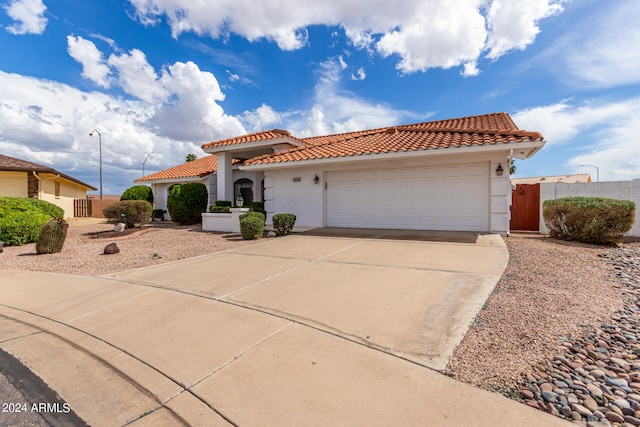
100,144
597,171
145,161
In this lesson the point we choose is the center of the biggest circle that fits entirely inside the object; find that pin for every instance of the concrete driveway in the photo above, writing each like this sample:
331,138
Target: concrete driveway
329,327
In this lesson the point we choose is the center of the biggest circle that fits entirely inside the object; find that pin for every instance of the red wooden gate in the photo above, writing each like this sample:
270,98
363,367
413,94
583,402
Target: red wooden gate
525,207
81,208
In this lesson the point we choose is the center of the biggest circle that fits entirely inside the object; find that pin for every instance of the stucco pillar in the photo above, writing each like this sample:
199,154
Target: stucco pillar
224,177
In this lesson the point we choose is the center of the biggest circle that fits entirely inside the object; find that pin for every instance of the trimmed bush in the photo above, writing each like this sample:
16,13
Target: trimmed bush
226,203
187,202
258,207
21,219
138,192
219,209
589,219
251,227
253,215
48,208
133,213
52,236
283,223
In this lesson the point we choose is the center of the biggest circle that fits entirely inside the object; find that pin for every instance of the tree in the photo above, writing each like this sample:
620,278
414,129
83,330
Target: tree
190,157
512,167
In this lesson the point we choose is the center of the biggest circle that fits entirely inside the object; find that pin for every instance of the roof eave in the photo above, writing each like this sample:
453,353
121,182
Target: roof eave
251,145
172,180
527,148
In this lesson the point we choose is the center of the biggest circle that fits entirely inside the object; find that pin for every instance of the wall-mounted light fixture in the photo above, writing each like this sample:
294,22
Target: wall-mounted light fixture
499,169
316,179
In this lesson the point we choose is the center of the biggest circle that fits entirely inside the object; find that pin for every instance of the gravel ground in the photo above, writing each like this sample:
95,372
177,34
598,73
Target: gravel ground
82,253
550,291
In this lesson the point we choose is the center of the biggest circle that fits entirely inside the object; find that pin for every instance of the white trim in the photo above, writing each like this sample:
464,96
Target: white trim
535,145
252,145
174,180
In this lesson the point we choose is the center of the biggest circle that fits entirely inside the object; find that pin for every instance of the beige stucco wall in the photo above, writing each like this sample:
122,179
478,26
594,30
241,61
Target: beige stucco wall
68,192
13,184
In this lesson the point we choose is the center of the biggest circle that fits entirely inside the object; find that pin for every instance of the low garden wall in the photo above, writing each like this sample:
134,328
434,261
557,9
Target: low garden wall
225,222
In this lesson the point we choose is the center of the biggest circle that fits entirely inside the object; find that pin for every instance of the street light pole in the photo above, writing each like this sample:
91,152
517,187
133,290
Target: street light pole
597,171
145,161
100,144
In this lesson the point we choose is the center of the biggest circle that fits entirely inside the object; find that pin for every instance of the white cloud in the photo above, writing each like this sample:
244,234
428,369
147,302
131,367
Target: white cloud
49,123
359,75
335,110
29,16
183,100
423,33
597,50
262,118
137,76
232,77
514,25
192,111
602,134
441,34
86,53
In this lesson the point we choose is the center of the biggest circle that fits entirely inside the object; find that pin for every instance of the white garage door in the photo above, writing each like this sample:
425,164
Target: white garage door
436,198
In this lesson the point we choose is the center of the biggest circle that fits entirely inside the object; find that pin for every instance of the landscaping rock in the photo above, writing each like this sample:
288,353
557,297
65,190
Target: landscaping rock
596,378
111,249
119,227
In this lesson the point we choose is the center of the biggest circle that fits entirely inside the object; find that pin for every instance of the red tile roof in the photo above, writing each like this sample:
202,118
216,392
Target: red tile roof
490,129
195,169
253,137
13,164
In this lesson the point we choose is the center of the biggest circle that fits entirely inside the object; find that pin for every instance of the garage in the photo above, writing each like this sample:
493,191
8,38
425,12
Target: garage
435,198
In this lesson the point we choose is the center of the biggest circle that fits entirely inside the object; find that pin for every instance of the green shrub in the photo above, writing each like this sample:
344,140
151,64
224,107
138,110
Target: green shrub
187,202
252,214
258,207
283,223
52,236
48,208
132,213
219,209
589,219
251,227
21,219
138,192
226,203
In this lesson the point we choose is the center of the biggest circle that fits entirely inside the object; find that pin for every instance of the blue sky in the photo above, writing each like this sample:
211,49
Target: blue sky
169,75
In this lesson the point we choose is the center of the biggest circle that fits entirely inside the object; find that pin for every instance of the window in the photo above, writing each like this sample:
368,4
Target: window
243,187
57,189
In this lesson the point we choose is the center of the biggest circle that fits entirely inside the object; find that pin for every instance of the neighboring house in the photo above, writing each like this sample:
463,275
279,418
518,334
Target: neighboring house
19,178
564,179
442,175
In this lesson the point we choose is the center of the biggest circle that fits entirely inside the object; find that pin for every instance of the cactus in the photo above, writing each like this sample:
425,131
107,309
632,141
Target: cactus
52,236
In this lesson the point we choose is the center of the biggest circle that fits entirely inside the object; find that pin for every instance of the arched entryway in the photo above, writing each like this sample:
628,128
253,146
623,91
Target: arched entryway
243,187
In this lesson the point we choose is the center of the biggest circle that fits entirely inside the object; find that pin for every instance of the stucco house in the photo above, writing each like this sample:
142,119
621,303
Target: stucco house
20,178
441,175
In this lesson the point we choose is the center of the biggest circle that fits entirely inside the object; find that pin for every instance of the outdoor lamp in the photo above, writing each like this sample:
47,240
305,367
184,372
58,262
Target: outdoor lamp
499,169
316,179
